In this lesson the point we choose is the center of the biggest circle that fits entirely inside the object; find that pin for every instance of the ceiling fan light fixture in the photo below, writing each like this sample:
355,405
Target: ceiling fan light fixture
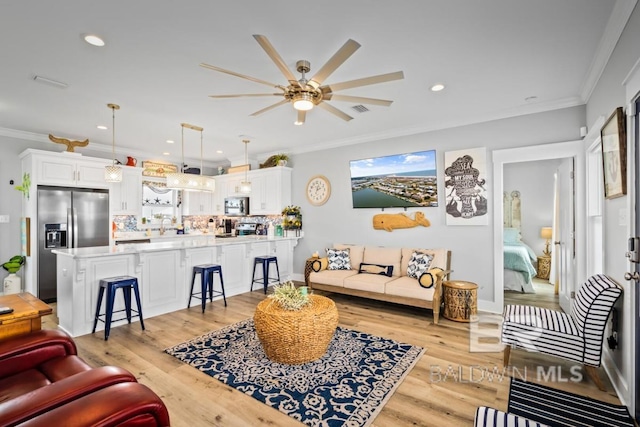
303,101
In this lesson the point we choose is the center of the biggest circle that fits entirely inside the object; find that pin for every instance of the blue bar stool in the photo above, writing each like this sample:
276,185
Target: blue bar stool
111,284
266,262
206,283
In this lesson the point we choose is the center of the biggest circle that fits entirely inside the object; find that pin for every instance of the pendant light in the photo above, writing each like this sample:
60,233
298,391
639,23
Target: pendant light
245,186
188,181
113,173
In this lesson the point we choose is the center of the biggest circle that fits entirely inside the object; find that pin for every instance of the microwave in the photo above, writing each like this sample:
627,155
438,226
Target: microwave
236,206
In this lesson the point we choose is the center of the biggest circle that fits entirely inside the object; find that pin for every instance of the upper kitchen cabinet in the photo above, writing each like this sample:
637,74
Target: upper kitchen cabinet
125,197
270,189
64,169
197,203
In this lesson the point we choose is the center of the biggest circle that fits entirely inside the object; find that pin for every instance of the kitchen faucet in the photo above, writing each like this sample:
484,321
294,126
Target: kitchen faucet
162,230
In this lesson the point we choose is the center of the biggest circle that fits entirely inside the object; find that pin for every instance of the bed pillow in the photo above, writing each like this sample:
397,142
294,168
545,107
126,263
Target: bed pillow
511,235
418,264
385,270
339,259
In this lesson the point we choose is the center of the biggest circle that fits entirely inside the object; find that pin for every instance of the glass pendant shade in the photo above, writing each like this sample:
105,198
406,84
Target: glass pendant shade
188,181
113,172
245,187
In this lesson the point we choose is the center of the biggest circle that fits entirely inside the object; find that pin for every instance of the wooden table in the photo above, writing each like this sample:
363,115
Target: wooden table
26,317
460,300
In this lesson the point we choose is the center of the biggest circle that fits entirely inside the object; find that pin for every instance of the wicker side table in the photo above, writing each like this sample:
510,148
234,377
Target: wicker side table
296,337
460,300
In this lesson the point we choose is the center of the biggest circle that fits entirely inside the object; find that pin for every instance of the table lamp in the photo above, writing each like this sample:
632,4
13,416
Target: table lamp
546,233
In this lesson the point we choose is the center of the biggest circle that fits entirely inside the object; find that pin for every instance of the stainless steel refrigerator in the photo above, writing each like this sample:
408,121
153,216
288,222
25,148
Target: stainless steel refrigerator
68,218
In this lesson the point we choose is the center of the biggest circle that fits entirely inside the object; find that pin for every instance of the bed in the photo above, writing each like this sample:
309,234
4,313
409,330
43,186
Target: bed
518,256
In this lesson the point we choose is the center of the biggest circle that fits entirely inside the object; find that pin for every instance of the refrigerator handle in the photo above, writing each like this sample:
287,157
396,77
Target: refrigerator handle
75,227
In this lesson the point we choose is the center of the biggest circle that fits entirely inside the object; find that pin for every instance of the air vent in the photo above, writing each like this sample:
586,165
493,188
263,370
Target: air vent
360,108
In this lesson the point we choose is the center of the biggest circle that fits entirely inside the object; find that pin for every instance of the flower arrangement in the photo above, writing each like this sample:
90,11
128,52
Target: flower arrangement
14,264
288,296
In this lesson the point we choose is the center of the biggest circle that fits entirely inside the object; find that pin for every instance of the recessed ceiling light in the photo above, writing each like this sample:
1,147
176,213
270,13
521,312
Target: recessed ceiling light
166,153
437,87
219,151
297,123
101,127
94,40
170,141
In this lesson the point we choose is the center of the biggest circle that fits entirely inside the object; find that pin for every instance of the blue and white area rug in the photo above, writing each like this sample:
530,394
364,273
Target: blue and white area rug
558,408
348,386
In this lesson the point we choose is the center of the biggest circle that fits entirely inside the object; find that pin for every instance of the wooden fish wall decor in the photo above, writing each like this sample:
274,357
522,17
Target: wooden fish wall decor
69,143
389,222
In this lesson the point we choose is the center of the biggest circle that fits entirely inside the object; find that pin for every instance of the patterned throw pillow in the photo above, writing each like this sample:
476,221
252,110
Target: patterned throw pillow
385,270
319,264
431,277
418,264
339,259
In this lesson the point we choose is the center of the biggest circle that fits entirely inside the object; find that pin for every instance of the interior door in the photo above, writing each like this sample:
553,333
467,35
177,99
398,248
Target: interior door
565,233
634,253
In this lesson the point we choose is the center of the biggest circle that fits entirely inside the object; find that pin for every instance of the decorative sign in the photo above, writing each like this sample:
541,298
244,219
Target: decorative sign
465,183
158,169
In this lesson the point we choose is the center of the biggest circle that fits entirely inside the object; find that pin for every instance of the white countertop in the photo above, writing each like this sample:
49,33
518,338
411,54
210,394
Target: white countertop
183,243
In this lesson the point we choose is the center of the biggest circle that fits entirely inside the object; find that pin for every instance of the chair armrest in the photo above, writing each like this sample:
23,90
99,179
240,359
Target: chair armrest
24,352
122,405
51,396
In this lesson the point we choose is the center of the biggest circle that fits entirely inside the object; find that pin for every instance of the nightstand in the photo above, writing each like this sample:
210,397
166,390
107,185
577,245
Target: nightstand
544,267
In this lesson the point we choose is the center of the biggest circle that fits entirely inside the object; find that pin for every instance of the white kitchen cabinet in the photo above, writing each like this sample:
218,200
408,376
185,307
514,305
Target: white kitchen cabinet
218,196
270,189
125,197
197,203
69,170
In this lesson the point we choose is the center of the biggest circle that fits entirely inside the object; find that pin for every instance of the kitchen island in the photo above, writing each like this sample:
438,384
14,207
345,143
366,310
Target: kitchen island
164,272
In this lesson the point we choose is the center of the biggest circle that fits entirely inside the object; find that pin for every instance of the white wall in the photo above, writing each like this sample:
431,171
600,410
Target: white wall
609,94
471,246
535,182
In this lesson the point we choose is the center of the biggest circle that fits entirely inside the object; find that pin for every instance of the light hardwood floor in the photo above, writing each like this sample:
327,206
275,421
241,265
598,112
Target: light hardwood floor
443,389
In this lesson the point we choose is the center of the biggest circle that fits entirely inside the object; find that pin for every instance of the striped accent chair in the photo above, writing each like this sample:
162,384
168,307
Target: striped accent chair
576,336
491,417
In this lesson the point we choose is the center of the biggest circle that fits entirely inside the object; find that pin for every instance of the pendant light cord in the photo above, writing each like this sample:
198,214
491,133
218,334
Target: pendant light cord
201,153
182,165
113,134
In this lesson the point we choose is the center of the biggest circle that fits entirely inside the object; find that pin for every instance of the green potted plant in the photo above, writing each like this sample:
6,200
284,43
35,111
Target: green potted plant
12,283
289,297
281,159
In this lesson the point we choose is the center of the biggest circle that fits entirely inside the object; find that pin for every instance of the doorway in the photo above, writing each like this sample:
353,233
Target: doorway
570,149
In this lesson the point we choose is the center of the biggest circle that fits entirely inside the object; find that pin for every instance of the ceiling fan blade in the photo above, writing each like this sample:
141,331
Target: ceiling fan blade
334,110
357,99
264,110
381,78
240,95
334,62
276,58
302,115
242,76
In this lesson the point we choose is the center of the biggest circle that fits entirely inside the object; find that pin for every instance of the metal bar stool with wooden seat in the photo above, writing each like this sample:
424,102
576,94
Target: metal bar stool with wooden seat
206,284
111,285
266,261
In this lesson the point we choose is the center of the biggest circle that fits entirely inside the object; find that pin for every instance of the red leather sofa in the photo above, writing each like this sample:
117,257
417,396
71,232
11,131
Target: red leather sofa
43,382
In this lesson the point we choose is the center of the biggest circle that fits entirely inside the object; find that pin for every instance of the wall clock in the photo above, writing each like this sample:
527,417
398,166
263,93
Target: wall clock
318,190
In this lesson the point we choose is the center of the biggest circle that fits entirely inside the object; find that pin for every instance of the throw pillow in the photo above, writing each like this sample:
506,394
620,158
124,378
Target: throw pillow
511,235
418,264
431,277
316,264
385,270
339,259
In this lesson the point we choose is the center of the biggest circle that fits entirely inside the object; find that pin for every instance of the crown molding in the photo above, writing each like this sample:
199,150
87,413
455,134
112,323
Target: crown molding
615,26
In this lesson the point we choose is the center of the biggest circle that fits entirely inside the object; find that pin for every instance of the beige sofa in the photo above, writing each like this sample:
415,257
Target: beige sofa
399,288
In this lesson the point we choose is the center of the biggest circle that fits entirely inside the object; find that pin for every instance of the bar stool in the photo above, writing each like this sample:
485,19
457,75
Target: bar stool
111,284
266,262
206,283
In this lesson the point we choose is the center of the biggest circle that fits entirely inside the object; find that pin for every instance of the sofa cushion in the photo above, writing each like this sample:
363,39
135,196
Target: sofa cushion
384,256
339,259
356,253
367,282
439,258
408,287
418,264
385,270
331,277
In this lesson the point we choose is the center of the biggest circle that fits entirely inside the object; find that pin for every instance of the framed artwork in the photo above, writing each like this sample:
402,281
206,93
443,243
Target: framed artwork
614,155
156,169
466,187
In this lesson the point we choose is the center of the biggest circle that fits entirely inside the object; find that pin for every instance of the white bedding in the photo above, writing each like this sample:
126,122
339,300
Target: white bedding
515,281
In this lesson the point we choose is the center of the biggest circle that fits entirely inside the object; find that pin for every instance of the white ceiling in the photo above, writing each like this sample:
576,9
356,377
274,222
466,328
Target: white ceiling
491,55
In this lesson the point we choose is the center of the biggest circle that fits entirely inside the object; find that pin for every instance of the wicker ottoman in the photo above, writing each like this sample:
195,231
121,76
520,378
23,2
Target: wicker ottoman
296,337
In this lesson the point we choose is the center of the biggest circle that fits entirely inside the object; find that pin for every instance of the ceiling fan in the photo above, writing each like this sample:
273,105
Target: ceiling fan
304,94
